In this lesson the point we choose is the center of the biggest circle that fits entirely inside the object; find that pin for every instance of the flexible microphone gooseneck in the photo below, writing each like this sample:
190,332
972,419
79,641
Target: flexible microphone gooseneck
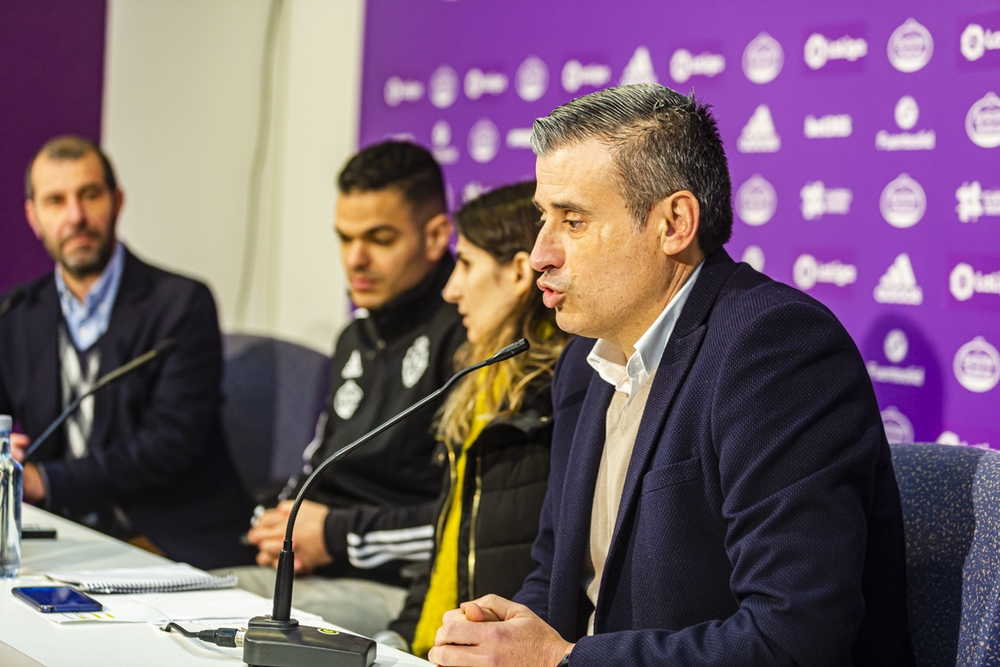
12,299
277,641
163,348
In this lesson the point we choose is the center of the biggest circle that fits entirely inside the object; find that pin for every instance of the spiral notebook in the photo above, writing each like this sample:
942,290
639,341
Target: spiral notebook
158,579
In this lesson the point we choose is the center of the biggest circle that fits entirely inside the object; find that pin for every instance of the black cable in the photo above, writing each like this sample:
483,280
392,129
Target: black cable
228,637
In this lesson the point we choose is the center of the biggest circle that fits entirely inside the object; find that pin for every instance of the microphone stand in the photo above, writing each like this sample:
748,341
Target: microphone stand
165,346
278,640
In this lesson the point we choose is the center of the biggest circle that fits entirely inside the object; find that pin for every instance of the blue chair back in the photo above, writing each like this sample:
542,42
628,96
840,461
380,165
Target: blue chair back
951,512
274,392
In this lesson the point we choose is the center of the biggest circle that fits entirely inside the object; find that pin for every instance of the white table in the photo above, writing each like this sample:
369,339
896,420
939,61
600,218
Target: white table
29,639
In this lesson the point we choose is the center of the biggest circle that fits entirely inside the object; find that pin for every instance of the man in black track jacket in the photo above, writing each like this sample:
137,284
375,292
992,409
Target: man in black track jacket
393,228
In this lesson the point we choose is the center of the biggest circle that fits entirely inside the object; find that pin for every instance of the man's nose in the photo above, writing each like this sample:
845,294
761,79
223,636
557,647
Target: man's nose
357,255
75,214
546,253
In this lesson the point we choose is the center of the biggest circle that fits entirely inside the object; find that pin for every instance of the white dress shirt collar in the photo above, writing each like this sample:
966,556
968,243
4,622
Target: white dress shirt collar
628,375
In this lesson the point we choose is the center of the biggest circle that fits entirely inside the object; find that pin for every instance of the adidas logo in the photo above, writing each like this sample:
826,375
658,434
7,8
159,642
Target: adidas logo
899,284
639,68
758,135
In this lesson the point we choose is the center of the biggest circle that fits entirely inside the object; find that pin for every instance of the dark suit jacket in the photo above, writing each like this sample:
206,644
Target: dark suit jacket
760,522
156,448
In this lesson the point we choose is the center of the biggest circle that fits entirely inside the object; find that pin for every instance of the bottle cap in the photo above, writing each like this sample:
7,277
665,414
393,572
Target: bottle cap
6,423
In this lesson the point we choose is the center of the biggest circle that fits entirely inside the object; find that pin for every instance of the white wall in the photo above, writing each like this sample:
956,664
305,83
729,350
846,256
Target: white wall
180,120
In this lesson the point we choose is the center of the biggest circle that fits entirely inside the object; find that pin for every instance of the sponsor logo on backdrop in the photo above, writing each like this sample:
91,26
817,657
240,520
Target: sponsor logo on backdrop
756,201
903,202
964,282
818,201
819,50
907,113
398,90
443,87
443,151
758,135
982,123
910,46
576,75
479,83
807,272
519,137
763,58
828,127
977,40
898,428
684,65
974,202
484,140
896,347
977,365
754,256
532,79
472,190
952,438
639,68
899,284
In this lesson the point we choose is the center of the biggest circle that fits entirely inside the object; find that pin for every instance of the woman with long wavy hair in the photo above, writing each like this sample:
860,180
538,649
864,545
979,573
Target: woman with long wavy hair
495,425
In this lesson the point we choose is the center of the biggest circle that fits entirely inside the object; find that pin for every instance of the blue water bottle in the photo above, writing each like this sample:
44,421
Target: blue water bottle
11,493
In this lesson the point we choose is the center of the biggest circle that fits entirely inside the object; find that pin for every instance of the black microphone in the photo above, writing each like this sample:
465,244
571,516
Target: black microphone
277,640
13,298
163,348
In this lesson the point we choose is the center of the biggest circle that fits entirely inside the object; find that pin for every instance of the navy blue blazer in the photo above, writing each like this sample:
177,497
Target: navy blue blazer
156,448
760,522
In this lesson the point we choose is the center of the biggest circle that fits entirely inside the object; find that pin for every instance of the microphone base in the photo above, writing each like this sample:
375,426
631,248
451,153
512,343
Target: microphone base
270,643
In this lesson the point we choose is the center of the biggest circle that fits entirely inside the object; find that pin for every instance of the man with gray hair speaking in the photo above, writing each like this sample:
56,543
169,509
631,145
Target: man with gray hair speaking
721,489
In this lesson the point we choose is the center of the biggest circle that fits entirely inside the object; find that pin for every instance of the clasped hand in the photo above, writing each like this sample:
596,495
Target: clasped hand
268,535
493,632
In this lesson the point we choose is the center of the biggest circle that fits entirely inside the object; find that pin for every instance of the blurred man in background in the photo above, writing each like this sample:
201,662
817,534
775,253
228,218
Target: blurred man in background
144,459
393,227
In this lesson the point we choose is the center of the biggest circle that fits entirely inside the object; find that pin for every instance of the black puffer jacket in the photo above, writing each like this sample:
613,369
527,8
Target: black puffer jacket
506,476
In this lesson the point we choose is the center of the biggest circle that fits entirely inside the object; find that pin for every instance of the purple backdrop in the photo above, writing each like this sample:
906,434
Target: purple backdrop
51,82
862,138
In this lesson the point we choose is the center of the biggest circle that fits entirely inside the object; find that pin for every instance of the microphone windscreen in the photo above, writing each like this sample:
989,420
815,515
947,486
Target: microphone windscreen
511,350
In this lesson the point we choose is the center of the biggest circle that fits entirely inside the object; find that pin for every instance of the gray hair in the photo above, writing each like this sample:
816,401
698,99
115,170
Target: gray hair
70,147
661,142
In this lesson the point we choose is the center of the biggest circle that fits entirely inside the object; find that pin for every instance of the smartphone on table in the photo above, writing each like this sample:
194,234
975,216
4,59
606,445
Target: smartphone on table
54,599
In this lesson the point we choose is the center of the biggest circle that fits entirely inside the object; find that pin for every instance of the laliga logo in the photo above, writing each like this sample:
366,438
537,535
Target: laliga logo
479,83
443,87
903,202
819,50
982,123
484,140
756,201
532,79
763,59
397,91
910,47
576,75
965,281
898,428
976,41
683,65
807,272
977,365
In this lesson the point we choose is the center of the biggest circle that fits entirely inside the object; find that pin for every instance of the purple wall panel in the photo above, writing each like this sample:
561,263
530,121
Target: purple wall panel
863,139
51,82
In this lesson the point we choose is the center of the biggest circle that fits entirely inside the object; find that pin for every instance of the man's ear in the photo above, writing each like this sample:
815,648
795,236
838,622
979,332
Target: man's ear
677,218
437,233
522,274
29,213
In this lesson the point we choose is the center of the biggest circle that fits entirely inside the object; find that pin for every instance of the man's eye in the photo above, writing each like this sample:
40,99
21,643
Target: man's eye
574,224
383,239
